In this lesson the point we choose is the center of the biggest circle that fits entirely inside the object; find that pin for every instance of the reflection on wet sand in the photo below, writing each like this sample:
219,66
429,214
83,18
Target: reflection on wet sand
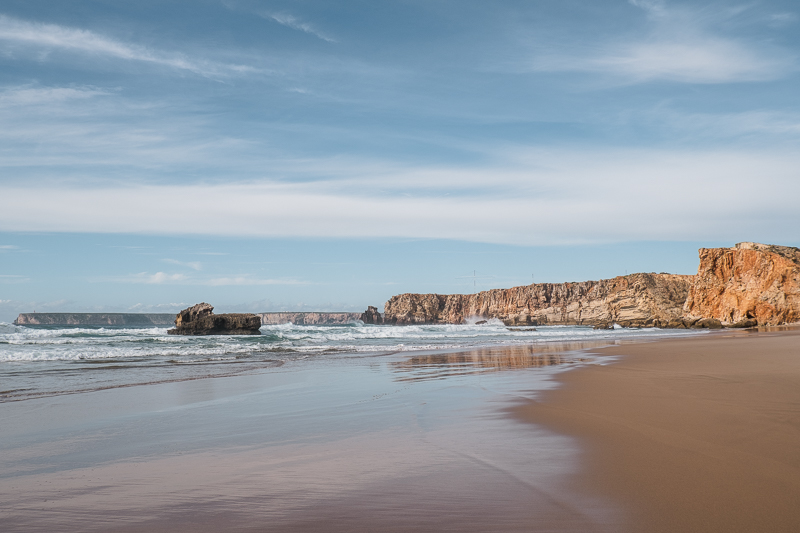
491,359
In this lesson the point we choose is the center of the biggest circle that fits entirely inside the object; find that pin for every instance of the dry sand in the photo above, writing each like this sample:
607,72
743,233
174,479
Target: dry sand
689,435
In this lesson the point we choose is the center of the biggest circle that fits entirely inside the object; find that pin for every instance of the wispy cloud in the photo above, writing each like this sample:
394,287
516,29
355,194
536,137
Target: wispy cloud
194,265
700,60
295,23
13,278
161,278
4,247
766,125
247,280
654,8
680,46
32,95
158,308
150,279
781,19
53,36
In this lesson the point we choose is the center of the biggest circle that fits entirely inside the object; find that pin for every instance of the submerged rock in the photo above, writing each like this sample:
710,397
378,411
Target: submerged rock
201,320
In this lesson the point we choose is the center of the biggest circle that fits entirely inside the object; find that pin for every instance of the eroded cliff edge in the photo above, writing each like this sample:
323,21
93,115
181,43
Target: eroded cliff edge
636,300
749,282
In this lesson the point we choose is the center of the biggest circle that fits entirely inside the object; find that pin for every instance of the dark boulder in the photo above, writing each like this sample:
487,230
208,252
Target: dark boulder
745,323
707,323
201,320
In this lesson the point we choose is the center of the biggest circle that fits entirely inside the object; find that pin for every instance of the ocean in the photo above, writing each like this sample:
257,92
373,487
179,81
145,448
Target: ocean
52,360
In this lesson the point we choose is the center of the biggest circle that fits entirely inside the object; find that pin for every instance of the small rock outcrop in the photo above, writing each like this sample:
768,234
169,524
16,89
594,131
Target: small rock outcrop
746,285
201,320
371,316
636,300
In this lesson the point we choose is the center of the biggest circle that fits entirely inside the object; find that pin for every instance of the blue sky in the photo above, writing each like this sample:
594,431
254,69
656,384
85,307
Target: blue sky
276,155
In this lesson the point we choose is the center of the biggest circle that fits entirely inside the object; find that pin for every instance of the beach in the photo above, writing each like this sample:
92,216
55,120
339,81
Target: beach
698,434
654,433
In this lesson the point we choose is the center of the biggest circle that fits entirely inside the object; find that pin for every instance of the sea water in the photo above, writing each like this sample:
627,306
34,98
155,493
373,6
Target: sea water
44,361
302,428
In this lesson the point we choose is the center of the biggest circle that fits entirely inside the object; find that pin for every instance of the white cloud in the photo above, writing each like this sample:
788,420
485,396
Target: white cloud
53,36
553,196
294,23
680,46
694,60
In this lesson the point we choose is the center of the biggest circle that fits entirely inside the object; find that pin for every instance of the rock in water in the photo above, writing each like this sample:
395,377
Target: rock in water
201,320
746,284
371,316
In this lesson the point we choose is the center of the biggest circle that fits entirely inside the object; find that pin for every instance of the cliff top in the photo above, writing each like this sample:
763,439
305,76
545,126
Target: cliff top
789,252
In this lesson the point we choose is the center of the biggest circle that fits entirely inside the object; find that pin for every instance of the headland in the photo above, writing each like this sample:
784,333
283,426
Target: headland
96,319
747,285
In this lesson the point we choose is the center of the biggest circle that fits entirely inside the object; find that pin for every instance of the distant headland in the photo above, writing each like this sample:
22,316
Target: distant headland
95,319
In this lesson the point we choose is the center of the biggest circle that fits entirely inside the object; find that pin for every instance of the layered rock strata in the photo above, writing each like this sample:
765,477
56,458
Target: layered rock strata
636,300
201,320
747,284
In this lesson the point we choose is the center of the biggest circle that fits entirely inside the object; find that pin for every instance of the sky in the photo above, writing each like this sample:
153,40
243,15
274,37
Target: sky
325,155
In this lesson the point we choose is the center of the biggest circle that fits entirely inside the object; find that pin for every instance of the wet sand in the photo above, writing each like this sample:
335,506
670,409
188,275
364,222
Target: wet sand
416,442
699,434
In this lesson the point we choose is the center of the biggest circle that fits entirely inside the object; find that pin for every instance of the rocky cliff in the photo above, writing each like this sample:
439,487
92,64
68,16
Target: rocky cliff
750,281
201,320
95,319
633,300
309,318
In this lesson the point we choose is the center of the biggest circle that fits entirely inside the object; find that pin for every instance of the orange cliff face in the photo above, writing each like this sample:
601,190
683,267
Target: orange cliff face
748,281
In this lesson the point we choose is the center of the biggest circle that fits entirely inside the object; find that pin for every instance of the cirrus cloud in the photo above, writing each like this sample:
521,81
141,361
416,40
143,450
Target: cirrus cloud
22,33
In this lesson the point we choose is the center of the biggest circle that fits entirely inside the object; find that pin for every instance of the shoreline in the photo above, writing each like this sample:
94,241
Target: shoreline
398,443
693,434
